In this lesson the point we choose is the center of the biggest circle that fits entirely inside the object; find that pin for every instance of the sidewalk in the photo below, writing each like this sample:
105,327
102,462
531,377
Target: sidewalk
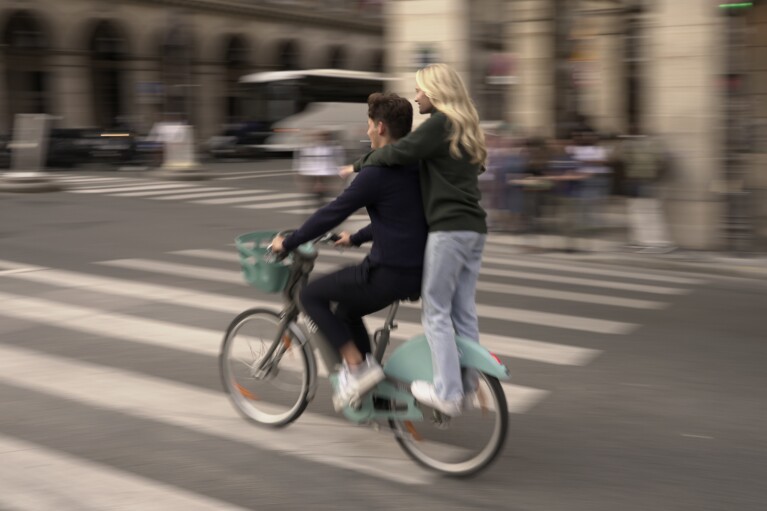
613,251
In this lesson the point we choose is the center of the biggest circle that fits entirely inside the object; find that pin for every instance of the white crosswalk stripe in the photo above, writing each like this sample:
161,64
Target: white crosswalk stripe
292,203
484,311
314,437
81,303
132,188
33,478
503,346
240,200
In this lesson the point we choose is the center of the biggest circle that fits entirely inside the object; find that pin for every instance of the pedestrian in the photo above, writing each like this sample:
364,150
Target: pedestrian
317,162
594,188
450,147
644,165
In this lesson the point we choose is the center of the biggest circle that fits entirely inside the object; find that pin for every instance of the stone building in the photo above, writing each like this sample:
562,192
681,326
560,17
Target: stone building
669,66
96,63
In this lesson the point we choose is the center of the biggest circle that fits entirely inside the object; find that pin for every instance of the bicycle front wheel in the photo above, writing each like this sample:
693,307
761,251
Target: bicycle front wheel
276,394
464,445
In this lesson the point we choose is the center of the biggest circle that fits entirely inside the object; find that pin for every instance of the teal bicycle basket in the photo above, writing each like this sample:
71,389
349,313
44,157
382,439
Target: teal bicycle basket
269,276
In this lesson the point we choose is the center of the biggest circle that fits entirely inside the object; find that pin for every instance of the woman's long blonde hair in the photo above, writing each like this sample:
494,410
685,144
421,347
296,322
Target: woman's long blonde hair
447,93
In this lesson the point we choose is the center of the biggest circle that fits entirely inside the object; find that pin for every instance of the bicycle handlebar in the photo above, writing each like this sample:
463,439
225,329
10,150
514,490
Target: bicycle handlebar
328,238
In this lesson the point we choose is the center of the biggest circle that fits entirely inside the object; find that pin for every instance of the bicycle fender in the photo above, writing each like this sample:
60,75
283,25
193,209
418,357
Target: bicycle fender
412,360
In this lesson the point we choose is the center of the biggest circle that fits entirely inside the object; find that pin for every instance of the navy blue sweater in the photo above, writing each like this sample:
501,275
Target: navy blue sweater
392,197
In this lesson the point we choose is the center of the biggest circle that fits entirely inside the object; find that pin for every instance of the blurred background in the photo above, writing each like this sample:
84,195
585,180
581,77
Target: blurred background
687,74
626,190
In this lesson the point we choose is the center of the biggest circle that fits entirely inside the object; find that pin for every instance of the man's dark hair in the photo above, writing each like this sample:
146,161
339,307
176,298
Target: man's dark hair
394,111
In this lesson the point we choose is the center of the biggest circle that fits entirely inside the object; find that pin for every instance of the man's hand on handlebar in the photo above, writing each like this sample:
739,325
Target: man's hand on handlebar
276,245
344,240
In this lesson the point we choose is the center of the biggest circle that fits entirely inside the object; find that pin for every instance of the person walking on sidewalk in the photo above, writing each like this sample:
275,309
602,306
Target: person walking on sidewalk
644,162
450,147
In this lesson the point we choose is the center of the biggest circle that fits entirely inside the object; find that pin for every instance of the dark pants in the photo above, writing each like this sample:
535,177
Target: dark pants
358,290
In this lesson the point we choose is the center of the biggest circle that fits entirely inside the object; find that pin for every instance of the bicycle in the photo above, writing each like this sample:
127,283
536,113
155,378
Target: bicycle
269,371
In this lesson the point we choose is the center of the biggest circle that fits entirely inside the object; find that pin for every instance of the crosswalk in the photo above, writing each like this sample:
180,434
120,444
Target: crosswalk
155,325
213,193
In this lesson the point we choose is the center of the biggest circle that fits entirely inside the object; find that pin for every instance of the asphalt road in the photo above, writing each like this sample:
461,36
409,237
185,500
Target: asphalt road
632,389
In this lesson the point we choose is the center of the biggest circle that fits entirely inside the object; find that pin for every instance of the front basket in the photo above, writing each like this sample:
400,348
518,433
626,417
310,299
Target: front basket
259,271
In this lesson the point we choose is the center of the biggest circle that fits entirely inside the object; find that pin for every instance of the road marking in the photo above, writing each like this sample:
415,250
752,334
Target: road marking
239,178
163,192
553,294
539,351
132,188
357,256
32,477
362,217
553,320
280,204
578,281
229,192
238,200
313,436
510,261
180,270
94,179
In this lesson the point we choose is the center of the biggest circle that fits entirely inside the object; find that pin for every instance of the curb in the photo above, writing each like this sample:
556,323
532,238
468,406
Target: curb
36,184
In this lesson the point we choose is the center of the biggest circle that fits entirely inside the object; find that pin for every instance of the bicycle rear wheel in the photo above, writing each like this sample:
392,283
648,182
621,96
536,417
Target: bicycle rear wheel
464,445
277,395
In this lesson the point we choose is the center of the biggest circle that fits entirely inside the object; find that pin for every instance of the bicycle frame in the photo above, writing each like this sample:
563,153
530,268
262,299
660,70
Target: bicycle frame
409,362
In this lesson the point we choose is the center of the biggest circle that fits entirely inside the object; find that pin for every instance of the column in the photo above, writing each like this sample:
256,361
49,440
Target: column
5,122
531,108
609,99
208,98
144,91
71,90
683,106
420,31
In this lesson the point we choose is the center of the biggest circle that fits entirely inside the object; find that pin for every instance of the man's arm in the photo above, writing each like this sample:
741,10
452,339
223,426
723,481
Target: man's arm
360,193
419,144
362,236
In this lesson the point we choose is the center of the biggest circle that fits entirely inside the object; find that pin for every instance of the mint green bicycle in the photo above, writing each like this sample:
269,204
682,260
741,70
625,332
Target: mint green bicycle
269,370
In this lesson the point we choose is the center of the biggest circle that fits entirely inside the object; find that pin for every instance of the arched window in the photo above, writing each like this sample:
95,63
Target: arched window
237,63
108,51
176,61
288,55
26,47
377,63
336,57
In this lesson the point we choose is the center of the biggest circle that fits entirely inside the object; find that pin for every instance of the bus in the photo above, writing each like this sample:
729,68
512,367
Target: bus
288,104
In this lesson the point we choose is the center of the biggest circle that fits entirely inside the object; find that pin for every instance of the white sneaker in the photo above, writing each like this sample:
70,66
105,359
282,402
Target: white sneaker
424,393
355,382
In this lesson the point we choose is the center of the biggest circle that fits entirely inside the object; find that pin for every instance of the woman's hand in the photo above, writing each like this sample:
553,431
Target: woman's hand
277,244
346,171
345,240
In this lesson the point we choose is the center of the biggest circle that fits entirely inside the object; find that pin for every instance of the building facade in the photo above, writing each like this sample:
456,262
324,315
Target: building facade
693,72
93,63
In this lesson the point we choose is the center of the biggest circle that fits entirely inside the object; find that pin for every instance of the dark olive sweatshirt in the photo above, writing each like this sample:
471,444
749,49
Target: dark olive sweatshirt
449,186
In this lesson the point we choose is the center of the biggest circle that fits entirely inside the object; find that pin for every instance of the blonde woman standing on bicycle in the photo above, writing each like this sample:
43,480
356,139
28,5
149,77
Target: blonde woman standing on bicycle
451,149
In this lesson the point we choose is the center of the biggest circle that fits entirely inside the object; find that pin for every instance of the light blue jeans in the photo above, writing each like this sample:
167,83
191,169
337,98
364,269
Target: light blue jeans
451,270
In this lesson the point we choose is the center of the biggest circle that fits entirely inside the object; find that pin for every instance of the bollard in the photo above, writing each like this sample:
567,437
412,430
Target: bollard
29,150
180,161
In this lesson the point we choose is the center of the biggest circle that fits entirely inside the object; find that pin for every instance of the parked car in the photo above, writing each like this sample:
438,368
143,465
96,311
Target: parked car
68,147
238,141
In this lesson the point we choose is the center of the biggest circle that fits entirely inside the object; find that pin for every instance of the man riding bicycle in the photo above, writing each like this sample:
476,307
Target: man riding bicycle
392,271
